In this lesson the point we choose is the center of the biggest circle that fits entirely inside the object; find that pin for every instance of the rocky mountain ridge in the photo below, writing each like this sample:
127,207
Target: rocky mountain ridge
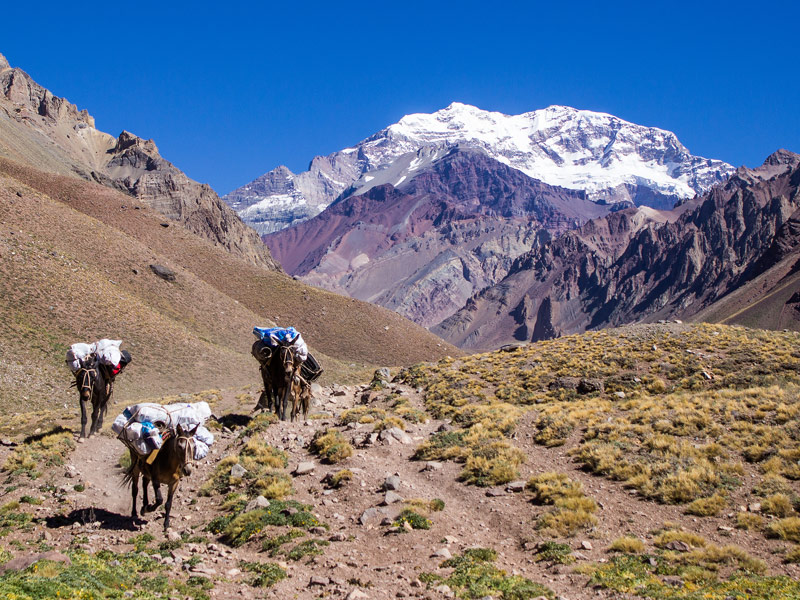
629,267
49,133
424,247
610,159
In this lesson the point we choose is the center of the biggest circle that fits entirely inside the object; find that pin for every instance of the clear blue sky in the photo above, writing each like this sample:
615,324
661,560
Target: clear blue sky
229,90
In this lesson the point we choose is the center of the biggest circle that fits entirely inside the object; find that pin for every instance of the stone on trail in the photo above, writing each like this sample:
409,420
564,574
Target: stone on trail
23,562
395,434
432,465
391,498
304,468
392,482
371,514
238,470
516,486
442,553
356,594
318,580
173,536
256,503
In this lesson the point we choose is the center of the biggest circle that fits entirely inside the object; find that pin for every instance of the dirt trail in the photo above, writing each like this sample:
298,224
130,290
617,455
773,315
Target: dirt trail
363,555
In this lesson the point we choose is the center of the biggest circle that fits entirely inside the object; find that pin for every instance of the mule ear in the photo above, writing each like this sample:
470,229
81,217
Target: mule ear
179,429
294,339
193,431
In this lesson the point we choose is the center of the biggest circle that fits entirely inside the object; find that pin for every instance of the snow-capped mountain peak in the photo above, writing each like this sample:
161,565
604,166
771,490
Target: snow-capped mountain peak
607,157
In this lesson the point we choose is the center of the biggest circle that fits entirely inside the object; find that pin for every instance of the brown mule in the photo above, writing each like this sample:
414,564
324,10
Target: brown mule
94,387
172,461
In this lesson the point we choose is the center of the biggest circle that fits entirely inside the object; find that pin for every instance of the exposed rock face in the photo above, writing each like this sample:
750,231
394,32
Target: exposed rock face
51,134
608,158
425,247
640,264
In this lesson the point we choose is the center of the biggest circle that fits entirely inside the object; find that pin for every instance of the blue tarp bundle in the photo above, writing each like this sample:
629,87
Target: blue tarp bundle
282,334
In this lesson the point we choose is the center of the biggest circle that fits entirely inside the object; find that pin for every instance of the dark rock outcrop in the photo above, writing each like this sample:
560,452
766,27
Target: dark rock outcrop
51,134
629,267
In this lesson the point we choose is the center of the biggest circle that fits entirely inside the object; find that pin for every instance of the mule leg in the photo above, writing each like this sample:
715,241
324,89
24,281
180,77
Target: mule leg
159,499
95,413
102,414
134,493
173,485
83,417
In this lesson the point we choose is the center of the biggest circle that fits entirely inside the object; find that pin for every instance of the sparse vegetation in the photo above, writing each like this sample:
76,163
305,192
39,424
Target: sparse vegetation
554,553
641,576
237,527
475,576
266,574
38,452
785,529
707,507
671,412
102,575
573,510
331,446
264,472
414,519
627,545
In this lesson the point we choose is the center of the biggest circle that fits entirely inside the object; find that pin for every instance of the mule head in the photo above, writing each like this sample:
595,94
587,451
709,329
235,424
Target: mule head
184,446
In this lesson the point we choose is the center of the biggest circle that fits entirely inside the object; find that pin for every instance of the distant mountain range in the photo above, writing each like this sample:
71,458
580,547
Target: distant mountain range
731,255
52,135
424,247
610,159
437,207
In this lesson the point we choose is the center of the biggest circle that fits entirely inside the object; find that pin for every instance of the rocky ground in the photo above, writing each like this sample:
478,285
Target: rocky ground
367,556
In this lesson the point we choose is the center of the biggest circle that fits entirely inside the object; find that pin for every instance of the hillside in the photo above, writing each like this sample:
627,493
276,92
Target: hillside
655,265
50,134
651,461
75,266
422,247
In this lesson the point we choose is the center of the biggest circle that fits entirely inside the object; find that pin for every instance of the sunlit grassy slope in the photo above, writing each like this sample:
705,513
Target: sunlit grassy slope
75,265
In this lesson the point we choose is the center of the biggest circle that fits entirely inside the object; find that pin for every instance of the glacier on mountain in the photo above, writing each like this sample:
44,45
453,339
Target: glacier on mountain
612,160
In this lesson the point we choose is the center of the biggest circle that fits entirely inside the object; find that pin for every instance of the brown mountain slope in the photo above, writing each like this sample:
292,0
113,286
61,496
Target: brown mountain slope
453,226
75,266
722,241
51,134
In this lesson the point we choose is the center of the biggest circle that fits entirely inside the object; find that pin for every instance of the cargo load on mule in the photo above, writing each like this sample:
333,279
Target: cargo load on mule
95,367
163,442
287,370
144,427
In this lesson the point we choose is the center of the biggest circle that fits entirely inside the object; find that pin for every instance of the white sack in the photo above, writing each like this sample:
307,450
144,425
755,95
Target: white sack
200,449
188,415
119,423
149,411
110,355
77,353
204,435
101,345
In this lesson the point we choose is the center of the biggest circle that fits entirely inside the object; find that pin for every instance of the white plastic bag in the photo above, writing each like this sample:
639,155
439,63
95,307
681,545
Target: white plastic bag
200,449
77,353
204,435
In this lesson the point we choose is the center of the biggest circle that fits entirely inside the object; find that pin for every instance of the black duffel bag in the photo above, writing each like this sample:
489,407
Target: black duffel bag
261,351
311,369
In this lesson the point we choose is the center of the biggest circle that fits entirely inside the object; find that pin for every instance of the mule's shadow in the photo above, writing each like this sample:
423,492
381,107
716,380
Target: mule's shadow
37,437
87,516
233,421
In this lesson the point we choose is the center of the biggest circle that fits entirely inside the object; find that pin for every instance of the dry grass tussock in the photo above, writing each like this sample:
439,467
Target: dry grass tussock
673,411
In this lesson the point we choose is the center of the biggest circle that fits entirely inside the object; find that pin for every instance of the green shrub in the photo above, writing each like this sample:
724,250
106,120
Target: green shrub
415,520
267,574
